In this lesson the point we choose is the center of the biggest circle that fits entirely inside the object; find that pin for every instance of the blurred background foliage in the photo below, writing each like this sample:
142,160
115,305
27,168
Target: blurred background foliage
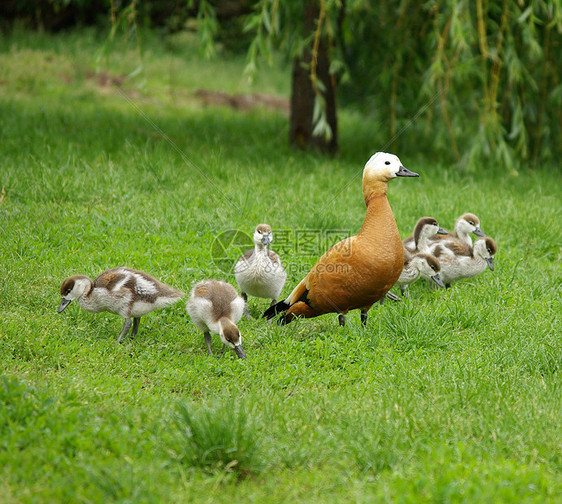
475,82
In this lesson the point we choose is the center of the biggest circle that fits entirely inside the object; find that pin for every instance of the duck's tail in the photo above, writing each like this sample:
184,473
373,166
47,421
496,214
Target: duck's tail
299,294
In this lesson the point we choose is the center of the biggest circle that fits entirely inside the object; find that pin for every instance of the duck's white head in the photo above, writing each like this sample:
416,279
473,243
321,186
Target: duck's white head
469,223
73,288
231,337
486,248
263,235
429,267
383,166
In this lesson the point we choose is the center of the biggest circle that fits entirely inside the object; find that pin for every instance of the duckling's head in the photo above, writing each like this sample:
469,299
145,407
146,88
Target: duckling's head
469,223
486,248
429,268
381,168
231,337
263,235
427,227
73,288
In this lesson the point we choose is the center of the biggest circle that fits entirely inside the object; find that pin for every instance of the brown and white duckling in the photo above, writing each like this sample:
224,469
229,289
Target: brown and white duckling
123,291
416,265
465,225
215,307
458,262
425,228
259,271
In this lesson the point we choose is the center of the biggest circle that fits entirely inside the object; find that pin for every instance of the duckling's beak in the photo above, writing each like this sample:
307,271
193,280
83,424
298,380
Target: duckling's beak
437,279
65,302
240,351
479,232
442,231
404,172
266,240
490,261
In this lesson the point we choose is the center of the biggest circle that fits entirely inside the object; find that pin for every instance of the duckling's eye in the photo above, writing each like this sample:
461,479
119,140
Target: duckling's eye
387,162
433,268
259,231
67,291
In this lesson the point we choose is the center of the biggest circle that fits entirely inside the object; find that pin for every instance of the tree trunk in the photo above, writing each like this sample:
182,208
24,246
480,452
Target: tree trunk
303,94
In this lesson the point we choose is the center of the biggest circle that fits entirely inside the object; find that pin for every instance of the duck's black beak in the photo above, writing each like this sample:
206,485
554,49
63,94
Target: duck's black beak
404,172
240,351
63,304
490,261
442,231
437,279
479,232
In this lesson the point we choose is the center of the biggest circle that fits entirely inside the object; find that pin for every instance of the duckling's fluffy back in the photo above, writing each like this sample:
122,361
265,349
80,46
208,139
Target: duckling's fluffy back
212,300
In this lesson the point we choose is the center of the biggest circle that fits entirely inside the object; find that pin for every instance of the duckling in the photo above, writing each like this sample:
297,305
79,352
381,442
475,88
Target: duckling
356,272
259,271
465,225
123,291
416,265
215,307
458,262
425,228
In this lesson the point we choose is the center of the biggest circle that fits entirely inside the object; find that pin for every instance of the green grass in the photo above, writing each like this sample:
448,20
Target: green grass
451,396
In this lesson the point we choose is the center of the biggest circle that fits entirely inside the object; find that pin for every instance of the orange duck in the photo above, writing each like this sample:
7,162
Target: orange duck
358,271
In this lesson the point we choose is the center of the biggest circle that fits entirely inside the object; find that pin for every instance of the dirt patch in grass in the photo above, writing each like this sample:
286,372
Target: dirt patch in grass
243,101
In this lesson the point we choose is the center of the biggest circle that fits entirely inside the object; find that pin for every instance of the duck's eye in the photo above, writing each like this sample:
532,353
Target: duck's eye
387,162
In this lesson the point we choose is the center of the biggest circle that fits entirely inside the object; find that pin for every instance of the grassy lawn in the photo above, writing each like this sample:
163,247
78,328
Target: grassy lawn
451,396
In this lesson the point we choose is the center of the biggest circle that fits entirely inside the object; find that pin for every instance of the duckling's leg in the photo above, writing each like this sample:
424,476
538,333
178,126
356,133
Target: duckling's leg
341,319
136,322
273,303
246,310
208,341
404,289
125,330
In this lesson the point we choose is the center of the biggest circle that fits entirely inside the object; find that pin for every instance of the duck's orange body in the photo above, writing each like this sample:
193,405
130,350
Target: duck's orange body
358,271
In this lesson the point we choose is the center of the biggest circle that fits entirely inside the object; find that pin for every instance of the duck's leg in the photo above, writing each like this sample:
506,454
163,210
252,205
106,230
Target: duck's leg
125,330
208,341
404,289
136,322
341,319
364,315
